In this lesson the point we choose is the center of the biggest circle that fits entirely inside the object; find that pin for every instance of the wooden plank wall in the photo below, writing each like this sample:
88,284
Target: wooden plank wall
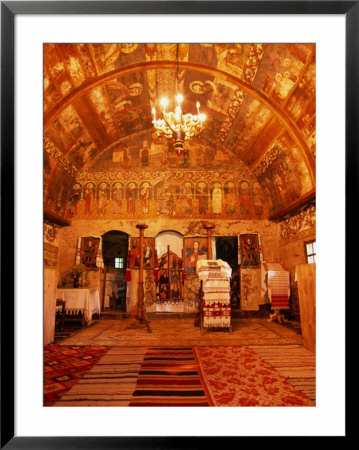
306,289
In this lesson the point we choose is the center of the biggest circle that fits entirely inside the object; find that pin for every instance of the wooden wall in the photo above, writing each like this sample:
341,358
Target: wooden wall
307,300
293,233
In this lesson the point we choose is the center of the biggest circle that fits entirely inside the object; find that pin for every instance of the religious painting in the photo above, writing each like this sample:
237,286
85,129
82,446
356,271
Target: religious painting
187,197
74,199
148,253
195,249
249,249
89,197
58,191
131,196
117,197
217,198
230,197
245,200
169,285
103,197
202,198
88,251
145,196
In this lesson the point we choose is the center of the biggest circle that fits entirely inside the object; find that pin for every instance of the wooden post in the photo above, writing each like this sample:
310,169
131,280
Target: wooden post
168,274
209,229
103,289
141,308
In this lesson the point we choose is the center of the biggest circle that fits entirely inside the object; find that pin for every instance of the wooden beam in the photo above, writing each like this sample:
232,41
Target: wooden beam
294,206
55,219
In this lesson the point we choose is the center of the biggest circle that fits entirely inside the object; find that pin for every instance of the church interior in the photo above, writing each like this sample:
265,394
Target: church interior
179,234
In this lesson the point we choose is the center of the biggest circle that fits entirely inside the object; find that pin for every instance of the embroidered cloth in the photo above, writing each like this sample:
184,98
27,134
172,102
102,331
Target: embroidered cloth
216,302
276,284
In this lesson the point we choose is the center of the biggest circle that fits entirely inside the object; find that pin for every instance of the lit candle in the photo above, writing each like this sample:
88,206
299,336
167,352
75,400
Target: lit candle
154,113
164,103
198,105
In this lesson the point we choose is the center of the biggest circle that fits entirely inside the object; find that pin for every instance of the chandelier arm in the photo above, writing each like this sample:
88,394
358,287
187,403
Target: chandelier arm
169,125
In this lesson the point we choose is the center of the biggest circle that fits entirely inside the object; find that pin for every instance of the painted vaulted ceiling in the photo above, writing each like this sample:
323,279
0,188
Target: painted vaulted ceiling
258,144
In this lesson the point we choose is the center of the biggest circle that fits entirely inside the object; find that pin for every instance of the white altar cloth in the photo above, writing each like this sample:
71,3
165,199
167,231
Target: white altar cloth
81,299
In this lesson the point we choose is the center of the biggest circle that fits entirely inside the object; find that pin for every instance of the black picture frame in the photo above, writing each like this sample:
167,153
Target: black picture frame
9,10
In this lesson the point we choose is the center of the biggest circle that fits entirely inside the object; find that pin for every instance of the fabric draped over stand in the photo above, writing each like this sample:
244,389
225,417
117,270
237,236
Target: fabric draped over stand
216,301
277,284
86,301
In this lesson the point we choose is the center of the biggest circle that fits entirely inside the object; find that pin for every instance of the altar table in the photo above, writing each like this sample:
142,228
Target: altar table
81,299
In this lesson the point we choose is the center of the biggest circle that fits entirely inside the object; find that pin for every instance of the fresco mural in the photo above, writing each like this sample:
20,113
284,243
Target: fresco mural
176,196
58,194
294,226
148,151
105,127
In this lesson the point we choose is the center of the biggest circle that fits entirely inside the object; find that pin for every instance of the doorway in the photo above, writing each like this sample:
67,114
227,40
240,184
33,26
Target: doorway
227,250
114,250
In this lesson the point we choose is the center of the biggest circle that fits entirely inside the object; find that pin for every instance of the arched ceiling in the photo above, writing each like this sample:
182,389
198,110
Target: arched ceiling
259,100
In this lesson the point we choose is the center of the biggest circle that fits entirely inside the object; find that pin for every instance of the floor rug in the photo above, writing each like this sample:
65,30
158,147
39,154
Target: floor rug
64,366
169,377
110,382
238,376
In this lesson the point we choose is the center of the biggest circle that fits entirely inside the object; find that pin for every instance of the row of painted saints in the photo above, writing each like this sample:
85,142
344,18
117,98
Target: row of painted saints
228,198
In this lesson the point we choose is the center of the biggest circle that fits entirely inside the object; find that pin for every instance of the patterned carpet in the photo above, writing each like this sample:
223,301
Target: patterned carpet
238,376
64,366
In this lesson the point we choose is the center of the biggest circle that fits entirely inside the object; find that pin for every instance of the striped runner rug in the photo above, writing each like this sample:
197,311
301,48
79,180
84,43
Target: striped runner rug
295,363
169,377
110,382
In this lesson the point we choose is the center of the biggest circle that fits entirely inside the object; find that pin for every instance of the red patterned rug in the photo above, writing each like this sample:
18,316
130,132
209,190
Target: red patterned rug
237,376
64,366
169,377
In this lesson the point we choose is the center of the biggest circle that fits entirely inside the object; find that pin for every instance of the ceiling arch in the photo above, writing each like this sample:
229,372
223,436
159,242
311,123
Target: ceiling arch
263,118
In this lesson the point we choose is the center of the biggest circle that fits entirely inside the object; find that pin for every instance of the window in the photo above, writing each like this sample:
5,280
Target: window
310,251
118,263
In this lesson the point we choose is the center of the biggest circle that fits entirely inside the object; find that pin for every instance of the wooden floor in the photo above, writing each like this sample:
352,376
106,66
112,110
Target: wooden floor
112,380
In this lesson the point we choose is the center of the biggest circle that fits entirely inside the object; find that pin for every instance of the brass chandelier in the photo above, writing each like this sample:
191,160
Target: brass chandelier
176,125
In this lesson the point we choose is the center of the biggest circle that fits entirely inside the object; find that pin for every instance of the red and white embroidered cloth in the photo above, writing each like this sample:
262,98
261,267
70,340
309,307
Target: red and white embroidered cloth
216,302
277,285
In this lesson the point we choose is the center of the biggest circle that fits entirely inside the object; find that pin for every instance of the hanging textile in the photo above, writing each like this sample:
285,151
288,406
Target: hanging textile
277,284
250,253
89,252
128,270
